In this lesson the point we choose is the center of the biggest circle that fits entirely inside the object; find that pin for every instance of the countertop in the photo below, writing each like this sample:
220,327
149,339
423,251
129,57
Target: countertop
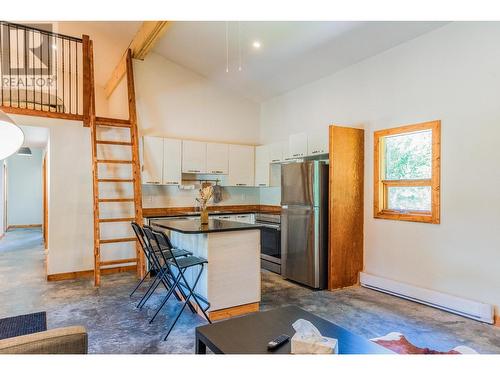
213,210
195,227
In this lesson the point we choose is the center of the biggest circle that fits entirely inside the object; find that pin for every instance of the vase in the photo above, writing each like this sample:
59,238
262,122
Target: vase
204,216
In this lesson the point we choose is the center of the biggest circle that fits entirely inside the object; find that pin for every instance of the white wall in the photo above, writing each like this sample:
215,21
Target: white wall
24,188
70,194
451,74
175,102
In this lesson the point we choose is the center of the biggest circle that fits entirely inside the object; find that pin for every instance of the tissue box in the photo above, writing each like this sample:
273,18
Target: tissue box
305,345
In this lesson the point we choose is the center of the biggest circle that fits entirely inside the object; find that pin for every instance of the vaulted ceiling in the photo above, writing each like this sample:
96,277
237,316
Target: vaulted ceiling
291,53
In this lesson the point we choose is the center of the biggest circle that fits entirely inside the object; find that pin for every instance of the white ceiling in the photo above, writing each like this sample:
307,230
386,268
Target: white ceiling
110,39
292,53
35,136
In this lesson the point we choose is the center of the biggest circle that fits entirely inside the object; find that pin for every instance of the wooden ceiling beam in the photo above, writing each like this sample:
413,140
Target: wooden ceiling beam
148,34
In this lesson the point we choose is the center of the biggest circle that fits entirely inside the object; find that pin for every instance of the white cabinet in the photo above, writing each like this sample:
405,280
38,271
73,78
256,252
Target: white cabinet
298,145
152,160
317,143
194,157
262,164
276,152
241,165
161,161
217,158
172,159
287,155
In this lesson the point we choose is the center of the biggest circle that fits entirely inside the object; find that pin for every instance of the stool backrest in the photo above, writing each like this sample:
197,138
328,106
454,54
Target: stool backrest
146,245
162,238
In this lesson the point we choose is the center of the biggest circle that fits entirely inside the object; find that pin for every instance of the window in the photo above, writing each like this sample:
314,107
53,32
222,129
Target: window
407,173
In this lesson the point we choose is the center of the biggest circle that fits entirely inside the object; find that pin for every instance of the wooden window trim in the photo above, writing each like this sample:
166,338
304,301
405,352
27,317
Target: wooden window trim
380,185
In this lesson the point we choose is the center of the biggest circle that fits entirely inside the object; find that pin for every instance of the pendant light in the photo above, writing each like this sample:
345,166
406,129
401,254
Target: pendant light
11,136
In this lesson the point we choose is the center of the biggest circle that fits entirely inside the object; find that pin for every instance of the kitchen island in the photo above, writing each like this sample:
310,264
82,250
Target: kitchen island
231,280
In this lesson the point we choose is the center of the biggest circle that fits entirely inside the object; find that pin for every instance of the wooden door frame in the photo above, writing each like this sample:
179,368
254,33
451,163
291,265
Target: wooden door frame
45,225
4,196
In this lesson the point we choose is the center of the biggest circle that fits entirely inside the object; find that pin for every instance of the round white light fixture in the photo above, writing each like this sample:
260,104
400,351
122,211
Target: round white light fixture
256,44
11,136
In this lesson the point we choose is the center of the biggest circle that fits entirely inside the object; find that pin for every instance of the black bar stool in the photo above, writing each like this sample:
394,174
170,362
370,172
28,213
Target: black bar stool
178,266
155,266
164,251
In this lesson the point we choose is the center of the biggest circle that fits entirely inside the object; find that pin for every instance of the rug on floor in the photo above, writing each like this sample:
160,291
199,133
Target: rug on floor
396,342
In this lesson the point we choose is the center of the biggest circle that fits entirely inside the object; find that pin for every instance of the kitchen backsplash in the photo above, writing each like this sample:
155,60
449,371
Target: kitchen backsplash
171,196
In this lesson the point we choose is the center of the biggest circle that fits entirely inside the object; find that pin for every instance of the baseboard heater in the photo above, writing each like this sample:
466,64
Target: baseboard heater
457,305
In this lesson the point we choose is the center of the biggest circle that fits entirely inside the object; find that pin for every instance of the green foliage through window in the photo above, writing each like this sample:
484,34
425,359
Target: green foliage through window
408,156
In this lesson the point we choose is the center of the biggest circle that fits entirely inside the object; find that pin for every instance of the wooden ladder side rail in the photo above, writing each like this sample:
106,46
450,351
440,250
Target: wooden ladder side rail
136,169
95,166
87,85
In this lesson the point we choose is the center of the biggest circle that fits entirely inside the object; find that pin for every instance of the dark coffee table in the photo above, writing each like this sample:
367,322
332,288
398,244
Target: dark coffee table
251,333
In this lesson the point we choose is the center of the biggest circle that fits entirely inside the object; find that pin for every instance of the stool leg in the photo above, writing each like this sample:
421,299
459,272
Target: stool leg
196,298
181,273
140,282
166,298
151,290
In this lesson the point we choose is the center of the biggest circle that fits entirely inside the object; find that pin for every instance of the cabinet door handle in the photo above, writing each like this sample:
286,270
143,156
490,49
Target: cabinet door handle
217,172
153,182
241,184
172,183
275,160
193,171
262,184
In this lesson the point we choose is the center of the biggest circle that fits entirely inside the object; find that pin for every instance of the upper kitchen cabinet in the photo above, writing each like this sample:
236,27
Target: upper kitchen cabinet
241,165
262,164
276,152
217,158
317,142
172,156
286,153
152,160
194,157
298,145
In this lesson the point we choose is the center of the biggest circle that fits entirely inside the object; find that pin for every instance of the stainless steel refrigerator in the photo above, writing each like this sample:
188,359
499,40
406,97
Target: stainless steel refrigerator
304,222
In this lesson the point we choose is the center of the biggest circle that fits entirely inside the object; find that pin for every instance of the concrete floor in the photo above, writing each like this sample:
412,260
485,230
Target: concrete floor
116,326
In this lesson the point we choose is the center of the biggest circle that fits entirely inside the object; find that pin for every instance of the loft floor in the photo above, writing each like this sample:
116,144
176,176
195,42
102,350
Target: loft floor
116,326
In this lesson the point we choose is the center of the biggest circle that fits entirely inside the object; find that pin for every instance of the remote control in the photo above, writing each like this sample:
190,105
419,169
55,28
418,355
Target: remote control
277,342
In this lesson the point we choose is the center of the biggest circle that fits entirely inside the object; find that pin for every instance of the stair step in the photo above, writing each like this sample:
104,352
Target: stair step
118,261
113,122
117,220
114,180
108,200
113,240
113,161
116,143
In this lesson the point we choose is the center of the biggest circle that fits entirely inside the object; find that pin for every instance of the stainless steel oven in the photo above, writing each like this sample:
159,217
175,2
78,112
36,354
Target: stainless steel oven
270,241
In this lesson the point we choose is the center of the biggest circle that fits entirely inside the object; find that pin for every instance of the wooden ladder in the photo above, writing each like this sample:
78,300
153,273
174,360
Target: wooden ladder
135,179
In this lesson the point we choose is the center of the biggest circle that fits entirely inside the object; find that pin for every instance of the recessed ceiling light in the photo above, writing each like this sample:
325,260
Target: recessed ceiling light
256,44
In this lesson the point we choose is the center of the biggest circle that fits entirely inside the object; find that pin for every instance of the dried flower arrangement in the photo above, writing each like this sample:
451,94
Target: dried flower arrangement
206,194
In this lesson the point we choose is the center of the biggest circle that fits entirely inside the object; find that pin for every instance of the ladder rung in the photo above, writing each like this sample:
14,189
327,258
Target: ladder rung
114,143
113,240
117,220
109,200
112,161
114,122
114,180
118,261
